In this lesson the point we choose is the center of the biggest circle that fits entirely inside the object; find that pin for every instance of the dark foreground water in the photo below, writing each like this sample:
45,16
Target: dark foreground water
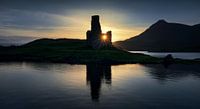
133,86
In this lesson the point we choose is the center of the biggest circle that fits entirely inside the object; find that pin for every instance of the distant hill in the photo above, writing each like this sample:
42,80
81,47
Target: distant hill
163,36
61,43
15,40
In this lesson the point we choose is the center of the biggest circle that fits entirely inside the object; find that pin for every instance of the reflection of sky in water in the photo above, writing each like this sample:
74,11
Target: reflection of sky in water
42,85
181,55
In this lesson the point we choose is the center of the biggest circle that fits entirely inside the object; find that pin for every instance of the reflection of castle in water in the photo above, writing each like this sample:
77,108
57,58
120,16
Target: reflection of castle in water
96,75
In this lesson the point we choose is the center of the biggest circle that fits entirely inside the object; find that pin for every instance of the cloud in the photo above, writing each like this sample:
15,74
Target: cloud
72,25
71,18
34,23
29,19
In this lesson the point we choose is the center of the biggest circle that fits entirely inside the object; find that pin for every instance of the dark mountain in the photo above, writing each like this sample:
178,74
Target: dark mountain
163,36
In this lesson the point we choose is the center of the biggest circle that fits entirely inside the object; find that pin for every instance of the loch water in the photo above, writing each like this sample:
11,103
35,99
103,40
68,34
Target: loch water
180,55
99,86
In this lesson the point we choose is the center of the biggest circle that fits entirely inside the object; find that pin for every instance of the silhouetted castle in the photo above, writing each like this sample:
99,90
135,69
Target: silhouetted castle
95,37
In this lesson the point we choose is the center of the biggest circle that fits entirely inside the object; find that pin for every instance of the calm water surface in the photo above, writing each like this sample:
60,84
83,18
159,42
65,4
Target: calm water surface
63,86
181,55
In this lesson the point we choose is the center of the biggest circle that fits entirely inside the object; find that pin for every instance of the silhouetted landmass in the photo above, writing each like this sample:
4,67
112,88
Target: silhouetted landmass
163,36
72,51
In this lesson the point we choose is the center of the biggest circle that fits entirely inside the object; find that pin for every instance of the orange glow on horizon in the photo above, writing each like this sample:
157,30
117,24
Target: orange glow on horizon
75,24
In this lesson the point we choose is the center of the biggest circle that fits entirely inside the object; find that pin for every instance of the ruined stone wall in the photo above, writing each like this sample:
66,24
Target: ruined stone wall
94,36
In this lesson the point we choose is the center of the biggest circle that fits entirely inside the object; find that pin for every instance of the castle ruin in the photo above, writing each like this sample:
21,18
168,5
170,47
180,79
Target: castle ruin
95,37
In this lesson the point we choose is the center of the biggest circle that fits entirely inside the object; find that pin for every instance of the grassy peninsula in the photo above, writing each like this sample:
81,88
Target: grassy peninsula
72,51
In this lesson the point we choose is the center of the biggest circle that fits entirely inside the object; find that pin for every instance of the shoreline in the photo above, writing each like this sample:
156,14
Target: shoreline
73,51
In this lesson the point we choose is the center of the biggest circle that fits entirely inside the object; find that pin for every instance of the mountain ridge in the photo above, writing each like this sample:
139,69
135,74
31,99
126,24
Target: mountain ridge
164,36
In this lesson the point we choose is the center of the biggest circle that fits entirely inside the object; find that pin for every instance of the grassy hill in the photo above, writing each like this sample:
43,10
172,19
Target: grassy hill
73,51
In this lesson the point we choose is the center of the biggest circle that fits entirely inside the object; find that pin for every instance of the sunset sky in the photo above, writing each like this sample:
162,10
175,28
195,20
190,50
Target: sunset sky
71,18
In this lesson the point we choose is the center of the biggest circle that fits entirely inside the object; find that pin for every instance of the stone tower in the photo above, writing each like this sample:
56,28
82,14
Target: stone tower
95,37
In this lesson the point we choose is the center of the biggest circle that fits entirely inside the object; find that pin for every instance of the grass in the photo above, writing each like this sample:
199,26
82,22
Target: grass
70,51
